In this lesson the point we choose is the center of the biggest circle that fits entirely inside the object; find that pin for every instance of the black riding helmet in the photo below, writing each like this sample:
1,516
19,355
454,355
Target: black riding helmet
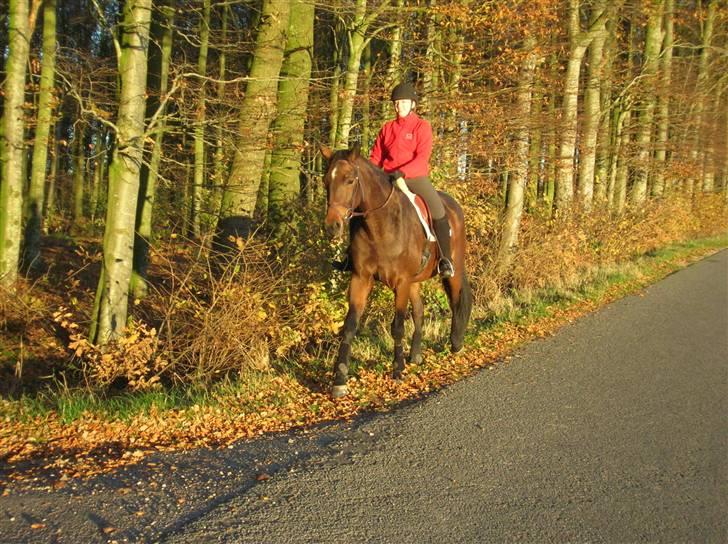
404,91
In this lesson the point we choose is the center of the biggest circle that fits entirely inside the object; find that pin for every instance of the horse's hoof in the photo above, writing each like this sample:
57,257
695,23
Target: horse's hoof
397,375
456,347
415,359
339,391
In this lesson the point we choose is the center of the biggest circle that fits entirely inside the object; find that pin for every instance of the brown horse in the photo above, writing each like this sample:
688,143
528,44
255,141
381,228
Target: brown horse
388,244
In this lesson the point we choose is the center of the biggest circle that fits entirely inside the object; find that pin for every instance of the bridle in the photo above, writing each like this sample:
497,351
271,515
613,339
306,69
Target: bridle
350,212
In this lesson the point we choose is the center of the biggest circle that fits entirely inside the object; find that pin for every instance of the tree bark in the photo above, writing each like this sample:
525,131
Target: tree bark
579,42
12,142
696,152
653,41
256,114
288,127
517,179
163,31
357,40
79,173
110,308
663,102
36,190
592,112
198,180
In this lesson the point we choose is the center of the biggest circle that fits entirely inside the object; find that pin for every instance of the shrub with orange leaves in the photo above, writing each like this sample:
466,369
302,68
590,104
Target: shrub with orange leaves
133,359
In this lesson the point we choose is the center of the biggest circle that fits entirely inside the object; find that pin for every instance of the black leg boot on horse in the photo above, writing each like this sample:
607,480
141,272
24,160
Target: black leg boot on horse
442,233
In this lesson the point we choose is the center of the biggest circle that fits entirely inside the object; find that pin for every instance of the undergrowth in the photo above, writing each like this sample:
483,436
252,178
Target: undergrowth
211,330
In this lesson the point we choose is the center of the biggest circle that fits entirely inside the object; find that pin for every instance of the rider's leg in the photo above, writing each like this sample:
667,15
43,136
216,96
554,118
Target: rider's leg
423,187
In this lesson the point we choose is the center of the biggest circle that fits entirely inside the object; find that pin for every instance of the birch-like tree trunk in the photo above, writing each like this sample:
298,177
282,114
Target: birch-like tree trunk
79,173
36,189
198,179
592,111
288,127
519,173
394,66
159,77
663,101
219,156
578,43
430,78
696,152
12,142
256,114
653,42
606,142
357,40
110,308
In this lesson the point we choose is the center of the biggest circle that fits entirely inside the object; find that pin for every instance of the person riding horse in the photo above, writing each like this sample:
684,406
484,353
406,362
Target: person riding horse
402,149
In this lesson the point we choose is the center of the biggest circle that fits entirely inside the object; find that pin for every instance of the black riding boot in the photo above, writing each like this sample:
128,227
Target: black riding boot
442,232
343,265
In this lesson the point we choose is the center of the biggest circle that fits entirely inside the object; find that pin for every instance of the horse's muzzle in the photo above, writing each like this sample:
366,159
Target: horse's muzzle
336,217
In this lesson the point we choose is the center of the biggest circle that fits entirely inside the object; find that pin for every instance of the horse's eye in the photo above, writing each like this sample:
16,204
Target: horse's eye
350,179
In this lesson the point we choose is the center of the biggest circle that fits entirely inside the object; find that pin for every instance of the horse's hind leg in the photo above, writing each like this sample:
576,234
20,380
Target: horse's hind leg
418,313
359,289
461,302
401,299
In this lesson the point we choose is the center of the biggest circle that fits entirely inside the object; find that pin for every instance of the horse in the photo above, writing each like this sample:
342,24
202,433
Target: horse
387,243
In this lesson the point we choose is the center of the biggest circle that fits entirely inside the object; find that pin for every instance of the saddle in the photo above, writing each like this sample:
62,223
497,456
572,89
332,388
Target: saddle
424,215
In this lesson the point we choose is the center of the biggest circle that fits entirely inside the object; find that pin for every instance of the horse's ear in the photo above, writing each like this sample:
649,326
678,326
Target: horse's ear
355,152
327,152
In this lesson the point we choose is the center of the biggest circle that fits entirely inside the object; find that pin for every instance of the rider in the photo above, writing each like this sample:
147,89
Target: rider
403,149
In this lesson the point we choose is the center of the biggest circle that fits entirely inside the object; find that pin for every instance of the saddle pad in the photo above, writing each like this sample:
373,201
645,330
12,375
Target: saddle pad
423,212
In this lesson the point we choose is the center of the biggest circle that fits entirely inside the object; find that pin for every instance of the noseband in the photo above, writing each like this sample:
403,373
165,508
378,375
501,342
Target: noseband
350,212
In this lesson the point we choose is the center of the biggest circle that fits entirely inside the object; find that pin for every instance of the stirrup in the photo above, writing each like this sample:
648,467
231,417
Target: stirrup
445,268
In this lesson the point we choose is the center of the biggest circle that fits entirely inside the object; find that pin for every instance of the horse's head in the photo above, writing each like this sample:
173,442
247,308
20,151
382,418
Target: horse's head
343,189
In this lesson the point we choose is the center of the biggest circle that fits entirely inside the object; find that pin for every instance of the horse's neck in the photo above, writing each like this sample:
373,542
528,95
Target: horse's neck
375,191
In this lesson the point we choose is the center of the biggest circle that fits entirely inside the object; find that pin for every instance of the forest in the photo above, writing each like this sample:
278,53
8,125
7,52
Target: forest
161,195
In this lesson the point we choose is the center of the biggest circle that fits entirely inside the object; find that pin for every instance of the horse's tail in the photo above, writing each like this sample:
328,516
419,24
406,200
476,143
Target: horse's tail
461,303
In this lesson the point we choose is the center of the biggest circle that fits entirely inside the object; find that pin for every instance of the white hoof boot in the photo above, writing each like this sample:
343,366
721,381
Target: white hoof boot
339,391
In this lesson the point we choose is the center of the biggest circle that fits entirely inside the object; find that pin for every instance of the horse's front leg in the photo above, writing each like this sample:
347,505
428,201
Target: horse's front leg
418,314
359,289
401,298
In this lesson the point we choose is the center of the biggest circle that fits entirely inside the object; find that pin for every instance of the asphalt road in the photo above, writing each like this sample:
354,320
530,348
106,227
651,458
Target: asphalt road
614,430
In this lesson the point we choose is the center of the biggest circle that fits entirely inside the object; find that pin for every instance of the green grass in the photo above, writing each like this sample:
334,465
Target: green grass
372,344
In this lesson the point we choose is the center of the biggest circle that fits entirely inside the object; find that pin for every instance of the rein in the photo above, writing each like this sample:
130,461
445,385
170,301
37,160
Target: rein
350,210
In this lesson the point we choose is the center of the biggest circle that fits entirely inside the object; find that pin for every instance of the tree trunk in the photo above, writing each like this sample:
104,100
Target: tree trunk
579,41
700,93
517,181
653,41
110,308
288,127
366,117
79,173
148,187
199,135
256,115
663,101
12,142
534,152
219,157
394,66
36,190
430,78
356,40
592,113
605,137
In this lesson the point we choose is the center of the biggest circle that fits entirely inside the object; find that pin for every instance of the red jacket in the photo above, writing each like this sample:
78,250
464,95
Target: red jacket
404,144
